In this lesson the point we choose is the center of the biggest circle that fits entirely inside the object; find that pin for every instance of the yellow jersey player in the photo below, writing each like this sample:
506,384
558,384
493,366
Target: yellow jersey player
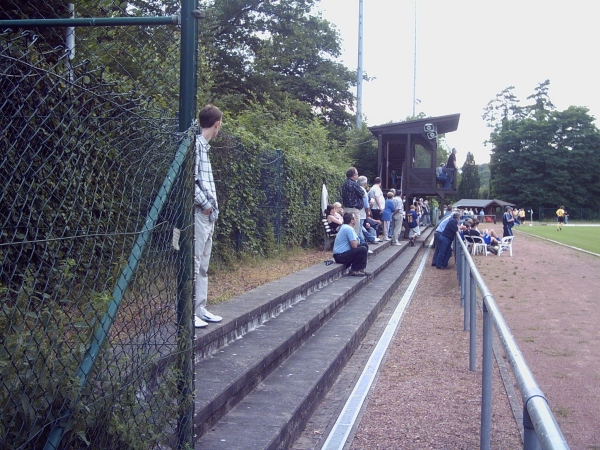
560,217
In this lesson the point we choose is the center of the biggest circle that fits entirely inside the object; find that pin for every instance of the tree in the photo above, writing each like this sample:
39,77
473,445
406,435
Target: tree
484,180
546,157
469,182
261,50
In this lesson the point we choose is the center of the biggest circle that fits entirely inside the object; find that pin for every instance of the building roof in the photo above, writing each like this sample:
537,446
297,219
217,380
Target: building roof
443,124
480,203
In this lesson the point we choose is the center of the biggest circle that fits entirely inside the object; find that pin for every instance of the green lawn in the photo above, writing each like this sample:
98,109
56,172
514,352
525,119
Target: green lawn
584,237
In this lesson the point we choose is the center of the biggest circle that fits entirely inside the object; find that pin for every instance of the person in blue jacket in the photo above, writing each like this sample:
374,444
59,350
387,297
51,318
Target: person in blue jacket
446,239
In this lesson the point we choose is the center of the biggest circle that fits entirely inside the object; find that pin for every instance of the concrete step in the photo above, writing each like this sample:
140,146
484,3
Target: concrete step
304,328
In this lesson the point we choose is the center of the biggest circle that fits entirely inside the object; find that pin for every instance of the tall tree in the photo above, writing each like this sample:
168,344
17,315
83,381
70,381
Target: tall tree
469,182
545,157
262,50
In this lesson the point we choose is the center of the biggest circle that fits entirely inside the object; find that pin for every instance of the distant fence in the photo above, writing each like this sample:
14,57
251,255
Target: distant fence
578,214
540,429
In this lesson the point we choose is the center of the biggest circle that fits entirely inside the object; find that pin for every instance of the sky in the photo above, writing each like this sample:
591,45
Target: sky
467,51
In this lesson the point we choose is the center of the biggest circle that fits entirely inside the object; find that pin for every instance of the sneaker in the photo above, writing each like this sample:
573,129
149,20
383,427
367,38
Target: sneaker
210,317
358,273
199,323
377,240
396,243
370,252
386,239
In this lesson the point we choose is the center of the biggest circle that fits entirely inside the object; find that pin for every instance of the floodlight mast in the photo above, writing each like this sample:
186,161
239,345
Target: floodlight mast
360,66
414,112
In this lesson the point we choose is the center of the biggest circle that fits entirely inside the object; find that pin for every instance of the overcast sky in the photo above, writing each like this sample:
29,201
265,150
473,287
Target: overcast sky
467,52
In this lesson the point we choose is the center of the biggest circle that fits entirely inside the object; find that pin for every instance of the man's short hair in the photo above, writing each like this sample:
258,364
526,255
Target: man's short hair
377,180
362,180
348,218
456,215
350,172
209,115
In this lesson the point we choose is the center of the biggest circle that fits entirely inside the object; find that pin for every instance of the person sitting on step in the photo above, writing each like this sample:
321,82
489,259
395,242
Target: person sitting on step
348,251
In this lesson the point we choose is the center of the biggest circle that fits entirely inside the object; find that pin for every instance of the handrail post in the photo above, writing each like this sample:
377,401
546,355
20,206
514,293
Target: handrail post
467,302
486,383
530,439
473,326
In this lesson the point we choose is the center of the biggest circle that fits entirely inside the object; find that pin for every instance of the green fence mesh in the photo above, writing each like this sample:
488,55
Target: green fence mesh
88,140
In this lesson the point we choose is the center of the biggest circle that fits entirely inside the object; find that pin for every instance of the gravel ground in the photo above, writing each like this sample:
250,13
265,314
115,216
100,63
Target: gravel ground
426,397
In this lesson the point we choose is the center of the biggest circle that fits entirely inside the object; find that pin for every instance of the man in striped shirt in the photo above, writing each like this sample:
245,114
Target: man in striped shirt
206,211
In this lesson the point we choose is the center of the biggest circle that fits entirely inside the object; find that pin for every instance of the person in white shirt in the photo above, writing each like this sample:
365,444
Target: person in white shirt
376,194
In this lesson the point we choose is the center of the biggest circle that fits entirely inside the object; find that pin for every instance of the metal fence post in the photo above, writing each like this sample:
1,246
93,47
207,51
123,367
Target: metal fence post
486,383
187,112
473,326
467,290
530,440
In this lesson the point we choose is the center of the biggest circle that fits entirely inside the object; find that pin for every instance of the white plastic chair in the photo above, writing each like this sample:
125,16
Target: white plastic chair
479,246
505,244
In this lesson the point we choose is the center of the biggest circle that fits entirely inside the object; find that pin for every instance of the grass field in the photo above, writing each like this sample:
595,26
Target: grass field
584,237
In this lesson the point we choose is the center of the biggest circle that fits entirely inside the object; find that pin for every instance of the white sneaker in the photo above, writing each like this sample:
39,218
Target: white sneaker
386,239
199,323
370,252
396,243
210,317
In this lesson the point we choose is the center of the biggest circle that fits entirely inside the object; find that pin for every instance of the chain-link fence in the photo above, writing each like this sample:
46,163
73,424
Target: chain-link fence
91,354
577,214
95,216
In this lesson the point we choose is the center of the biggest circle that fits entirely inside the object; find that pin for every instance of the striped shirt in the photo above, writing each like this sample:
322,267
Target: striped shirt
205,193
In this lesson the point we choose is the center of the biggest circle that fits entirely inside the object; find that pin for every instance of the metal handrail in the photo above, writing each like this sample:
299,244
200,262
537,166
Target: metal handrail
539,424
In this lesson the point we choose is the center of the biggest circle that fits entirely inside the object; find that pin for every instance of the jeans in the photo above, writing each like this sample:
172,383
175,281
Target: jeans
356,258
445,252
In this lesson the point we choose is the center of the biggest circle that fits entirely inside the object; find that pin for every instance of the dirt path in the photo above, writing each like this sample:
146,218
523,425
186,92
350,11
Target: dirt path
427,398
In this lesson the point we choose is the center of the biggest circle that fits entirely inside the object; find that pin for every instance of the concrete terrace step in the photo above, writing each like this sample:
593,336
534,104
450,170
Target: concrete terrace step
304,328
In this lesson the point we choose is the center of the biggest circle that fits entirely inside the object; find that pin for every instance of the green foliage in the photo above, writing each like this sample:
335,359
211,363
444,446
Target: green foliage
469,184
278,52
484,177
544,157
362,148
443,150
274,166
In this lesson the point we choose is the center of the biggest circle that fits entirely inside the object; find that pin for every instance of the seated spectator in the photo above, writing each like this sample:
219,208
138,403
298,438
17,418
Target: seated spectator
370,233
386,215
333,217
347,250
490,237
374,224
465,230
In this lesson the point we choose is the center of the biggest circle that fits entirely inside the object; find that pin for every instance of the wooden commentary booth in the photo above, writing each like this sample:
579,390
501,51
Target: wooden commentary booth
406,155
